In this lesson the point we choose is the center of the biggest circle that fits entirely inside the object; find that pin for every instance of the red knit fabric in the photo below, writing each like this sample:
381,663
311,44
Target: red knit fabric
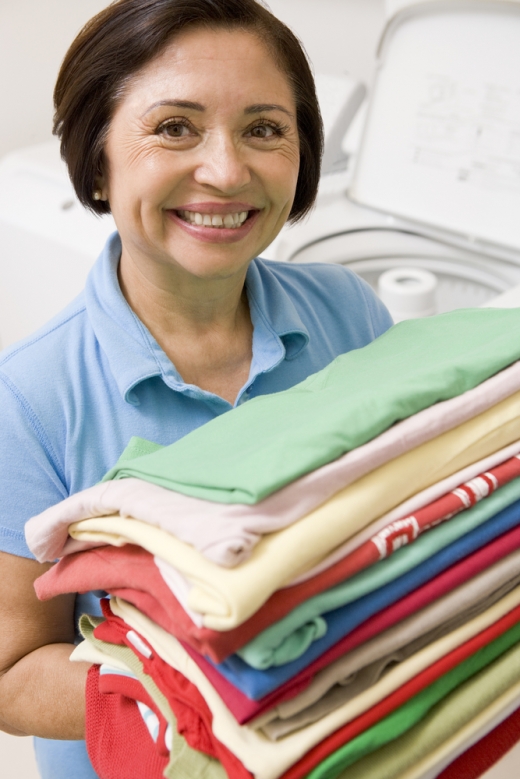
479,758
134,690
194,718
118,742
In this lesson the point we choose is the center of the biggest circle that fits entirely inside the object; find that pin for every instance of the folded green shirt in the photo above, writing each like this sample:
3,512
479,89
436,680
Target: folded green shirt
414,710
253,450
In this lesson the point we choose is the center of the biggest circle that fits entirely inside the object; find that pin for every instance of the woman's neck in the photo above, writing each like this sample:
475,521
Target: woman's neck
203,325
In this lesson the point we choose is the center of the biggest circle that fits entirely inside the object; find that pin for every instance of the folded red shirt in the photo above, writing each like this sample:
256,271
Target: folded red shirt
479,758
117,683
118,742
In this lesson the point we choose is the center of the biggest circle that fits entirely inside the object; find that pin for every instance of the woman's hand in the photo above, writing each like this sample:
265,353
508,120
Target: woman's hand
41,692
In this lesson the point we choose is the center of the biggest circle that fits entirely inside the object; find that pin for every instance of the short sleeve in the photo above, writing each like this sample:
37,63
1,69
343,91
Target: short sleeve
379,314
29,471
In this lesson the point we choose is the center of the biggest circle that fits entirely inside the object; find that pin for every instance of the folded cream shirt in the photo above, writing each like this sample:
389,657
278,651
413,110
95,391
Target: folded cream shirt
268,760
226,597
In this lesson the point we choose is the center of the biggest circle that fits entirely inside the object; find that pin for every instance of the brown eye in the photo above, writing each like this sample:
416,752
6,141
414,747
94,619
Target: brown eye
262,131
174,129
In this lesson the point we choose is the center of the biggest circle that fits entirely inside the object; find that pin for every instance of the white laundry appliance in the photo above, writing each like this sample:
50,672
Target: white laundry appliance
432,184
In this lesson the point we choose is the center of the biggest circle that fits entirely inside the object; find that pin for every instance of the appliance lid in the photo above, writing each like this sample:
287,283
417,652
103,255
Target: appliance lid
441,143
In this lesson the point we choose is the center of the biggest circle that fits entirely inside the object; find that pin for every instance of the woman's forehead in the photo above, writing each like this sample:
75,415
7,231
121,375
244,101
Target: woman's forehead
236,61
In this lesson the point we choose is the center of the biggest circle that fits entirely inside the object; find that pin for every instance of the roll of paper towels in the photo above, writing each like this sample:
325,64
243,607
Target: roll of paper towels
408,293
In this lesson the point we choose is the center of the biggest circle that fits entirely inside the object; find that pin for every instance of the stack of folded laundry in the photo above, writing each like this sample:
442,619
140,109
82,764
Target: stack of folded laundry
321,583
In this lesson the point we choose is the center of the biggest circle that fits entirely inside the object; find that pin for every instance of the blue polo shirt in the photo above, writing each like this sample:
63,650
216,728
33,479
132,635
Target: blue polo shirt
75,392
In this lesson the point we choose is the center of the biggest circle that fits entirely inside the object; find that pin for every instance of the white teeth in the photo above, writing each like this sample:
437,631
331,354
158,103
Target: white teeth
215,220
229,220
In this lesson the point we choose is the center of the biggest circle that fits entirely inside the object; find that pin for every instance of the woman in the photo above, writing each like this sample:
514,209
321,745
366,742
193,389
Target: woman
195,122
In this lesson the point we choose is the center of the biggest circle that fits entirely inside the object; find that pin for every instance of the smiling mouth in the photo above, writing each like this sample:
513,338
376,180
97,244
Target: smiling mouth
218,221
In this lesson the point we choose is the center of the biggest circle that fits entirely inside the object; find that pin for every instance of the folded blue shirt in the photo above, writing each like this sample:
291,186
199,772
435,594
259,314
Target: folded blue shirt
256,684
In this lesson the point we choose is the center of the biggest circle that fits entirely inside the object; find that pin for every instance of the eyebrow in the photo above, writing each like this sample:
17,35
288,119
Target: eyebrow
176,103
257,108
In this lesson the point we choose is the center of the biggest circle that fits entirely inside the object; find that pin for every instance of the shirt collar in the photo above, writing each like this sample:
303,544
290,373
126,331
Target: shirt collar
273,311
135,356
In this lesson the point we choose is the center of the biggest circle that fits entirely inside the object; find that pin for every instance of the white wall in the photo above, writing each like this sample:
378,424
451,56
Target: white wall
34,35
339,35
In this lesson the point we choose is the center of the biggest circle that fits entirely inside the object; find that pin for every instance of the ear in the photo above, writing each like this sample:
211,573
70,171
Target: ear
100,192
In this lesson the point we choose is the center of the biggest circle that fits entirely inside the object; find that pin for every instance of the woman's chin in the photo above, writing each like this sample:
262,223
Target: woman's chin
206,261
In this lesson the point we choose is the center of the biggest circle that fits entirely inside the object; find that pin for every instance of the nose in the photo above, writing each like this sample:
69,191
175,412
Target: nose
222,165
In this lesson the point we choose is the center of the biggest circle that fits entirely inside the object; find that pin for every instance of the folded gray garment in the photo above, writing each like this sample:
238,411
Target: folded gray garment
364,666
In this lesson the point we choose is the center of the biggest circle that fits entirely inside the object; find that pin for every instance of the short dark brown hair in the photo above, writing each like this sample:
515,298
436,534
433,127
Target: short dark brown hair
114,45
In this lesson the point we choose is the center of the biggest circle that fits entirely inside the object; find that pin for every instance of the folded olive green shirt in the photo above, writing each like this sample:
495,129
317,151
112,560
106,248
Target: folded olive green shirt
448,722
414,710
253,450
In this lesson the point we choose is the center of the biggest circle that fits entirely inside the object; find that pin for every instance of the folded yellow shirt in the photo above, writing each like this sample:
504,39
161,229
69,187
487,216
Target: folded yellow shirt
226,597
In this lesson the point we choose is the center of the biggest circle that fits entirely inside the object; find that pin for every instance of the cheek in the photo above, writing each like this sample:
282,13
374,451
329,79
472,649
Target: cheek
136,169
149,183
284,176
287,165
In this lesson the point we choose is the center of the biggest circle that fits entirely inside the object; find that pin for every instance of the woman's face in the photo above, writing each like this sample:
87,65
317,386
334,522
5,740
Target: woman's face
203,155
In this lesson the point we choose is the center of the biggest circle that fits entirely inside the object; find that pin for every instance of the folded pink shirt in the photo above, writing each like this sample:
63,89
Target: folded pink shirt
231,531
